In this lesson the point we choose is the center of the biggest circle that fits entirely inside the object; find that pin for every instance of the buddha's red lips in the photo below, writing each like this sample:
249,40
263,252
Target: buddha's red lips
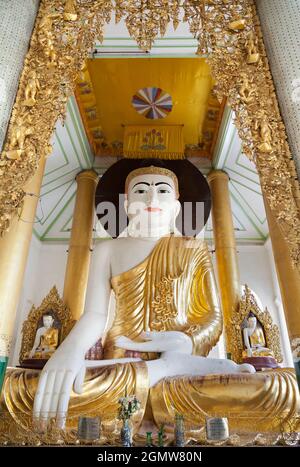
149,209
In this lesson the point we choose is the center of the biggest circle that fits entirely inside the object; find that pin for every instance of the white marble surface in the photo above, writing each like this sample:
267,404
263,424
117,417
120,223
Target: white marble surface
280,21
16,23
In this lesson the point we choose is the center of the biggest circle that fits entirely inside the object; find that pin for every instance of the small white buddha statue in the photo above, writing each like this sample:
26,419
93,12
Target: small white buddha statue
254,338
46,339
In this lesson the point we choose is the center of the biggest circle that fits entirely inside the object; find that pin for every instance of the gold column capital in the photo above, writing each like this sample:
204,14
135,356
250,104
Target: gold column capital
88,174
217,173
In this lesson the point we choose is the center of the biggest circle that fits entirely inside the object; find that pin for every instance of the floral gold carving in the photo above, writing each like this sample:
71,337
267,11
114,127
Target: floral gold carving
51,302
235,343
227,31
57,52
162,310
145,20
295,345
70,13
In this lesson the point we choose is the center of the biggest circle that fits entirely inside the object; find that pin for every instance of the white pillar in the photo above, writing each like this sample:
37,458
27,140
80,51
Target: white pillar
16,23
280,20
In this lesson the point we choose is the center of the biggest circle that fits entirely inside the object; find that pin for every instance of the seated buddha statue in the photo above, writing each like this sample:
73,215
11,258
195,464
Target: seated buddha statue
256,352
254,338
46,339
165,299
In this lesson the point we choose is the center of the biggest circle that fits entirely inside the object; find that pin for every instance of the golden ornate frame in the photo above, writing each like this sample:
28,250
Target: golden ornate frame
234,331
51,301
227,31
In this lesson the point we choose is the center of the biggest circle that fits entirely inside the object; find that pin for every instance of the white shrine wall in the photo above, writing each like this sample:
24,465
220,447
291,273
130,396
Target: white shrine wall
17,19
46,268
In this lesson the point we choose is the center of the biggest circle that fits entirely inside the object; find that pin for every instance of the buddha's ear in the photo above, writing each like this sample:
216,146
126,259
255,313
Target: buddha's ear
177,208
126,203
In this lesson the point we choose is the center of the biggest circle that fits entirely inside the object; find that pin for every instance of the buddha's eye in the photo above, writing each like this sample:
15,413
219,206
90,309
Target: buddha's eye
140,191
163,190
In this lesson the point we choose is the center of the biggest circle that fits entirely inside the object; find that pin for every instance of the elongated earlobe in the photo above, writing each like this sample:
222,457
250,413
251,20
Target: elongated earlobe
126,204
177,208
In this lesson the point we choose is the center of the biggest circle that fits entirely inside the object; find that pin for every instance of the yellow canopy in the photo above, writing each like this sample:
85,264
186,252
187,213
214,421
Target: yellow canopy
107,86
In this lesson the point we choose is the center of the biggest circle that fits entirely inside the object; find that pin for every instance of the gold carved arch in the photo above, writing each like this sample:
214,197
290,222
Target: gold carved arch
228,32
234,332
51,302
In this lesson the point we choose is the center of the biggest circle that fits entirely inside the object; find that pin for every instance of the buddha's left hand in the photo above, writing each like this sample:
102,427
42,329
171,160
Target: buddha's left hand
158,342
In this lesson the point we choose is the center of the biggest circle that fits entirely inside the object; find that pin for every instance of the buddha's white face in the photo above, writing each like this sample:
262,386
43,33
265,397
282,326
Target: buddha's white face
48,321
252,321
151,204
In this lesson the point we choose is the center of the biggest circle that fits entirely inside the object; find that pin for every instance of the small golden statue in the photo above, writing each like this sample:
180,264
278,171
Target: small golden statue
32,87
252,49
46,338
19,132
45,38
70,10
265,132
246,90
51,54
238,24
46,24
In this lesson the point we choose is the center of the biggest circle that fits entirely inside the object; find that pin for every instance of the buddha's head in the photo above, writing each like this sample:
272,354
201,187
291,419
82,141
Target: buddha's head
48,321
252,320
152,200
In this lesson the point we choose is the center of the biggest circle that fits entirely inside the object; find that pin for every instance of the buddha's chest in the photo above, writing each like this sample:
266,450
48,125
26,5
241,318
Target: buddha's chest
127,255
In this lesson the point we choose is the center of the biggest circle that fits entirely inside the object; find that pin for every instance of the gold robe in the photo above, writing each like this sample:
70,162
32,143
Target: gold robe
172,289
258,344
48,344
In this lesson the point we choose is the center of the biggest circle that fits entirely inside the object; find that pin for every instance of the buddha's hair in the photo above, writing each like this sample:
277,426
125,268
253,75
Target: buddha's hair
151,169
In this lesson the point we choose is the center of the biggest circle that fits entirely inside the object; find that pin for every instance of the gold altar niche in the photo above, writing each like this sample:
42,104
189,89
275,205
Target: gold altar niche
248,304
228,33
51,304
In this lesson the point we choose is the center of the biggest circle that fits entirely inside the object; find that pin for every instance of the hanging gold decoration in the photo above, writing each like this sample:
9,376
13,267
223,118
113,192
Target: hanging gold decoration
228,32
147,19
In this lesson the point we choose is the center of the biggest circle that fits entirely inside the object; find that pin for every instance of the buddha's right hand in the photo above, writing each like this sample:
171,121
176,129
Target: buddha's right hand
55,386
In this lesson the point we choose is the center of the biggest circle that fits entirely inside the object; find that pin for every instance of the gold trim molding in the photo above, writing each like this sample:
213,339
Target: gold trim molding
51,302
227,31
234,331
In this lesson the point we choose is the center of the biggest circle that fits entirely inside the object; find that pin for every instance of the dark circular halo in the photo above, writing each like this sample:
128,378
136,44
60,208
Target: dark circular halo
195,197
